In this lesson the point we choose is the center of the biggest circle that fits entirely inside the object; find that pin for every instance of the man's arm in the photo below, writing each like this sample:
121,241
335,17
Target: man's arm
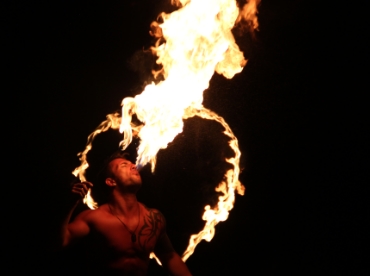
79,227
170,260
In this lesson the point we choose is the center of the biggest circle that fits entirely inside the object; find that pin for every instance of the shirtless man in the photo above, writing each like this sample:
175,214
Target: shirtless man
124,232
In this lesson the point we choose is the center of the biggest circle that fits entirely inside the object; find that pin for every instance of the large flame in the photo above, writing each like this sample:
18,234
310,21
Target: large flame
193,43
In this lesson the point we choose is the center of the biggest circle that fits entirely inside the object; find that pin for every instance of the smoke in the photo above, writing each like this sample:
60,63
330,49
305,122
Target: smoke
142,62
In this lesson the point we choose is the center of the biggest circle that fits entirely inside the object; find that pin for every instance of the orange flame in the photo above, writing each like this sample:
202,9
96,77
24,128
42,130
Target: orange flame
227,187
196,41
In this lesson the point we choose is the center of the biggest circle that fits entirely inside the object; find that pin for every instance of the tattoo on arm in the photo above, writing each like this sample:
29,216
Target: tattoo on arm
154,225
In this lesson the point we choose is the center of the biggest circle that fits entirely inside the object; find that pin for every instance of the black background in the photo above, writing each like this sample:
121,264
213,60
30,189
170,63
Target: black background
296,110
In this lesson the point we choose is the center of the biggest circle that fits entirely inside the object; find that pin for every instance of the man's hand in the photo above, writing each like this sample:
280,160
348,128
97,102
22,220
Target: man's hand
79,228
79,190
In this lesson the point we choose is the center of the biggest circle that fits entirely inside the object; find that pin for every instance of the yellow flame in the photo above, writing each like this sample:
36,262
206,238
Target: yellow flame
153,256
249,13
193,43
113,121
227,187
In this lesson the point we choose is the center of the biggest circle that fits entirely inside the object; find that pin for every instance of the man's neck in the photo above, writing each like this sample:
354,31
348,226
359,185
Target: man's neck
125,204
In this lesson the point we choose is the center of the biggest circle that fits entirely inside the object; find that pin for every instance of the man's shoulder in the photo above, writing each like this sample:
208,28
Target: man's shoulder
151,210
91,215
154,216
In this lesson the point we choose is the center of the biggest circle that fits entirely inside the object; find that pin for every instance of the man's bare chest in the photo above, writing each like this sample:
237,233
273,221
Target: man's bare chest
117,237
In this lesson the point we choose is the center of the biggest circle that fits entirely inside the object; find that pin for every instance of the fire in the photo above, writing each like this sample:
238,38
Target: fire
193,42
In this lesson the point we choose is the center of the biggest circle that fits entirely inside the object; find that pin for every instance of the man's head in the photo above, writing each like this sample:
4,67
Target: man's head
121,173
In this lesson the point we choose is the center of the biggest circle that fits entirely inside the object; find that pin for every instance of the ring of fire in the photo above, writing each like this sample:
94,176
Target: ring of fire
193,42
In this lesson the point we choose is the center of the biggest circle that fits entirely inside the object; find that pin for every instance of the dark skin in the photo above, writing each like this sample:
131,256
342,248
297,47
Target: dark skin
112,226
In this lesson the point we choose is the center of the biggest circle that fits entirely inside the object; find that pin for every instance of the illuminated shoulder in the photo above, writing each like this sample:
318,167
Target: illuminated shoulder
88,215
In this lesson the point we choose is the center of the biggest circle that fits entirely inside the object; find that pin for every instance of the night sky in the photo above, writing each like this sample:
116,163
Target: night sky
300,127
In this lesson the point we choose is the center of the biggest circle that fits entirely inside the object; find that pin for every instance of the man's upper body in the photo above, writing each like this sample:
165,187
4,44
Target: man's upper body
124,232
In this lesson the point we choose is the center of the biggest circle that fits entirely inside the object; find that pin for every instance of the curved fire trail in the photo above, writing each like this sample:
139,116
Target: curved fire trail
193,42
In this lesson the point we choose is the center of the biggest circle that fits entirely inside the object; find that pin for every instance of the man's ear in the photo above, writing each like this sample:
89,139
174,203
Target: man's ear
110,182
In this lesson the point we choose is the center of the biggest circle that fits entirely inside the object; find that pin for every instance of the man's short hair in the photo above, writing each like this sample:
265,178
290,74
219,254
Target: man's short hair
105,171
101,191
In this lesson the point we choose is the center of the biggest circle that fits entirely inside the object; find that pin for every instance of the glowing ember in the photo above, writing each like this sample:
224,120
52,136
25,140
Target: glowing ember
196,41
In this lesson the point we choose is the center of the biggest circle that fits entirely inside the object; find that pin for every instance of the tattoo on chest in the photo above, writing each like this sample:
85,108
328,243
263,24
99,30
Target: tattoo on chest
151,229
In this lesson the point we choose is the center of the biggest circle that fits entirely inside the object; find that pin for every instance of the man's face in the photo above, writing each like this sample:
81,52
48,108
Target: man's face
124,172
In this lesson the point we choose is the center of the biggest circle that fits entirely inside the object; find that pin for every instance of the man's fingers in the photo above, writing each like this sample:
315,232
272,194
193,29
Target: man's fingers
81,189
88,184
78,191
85,185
